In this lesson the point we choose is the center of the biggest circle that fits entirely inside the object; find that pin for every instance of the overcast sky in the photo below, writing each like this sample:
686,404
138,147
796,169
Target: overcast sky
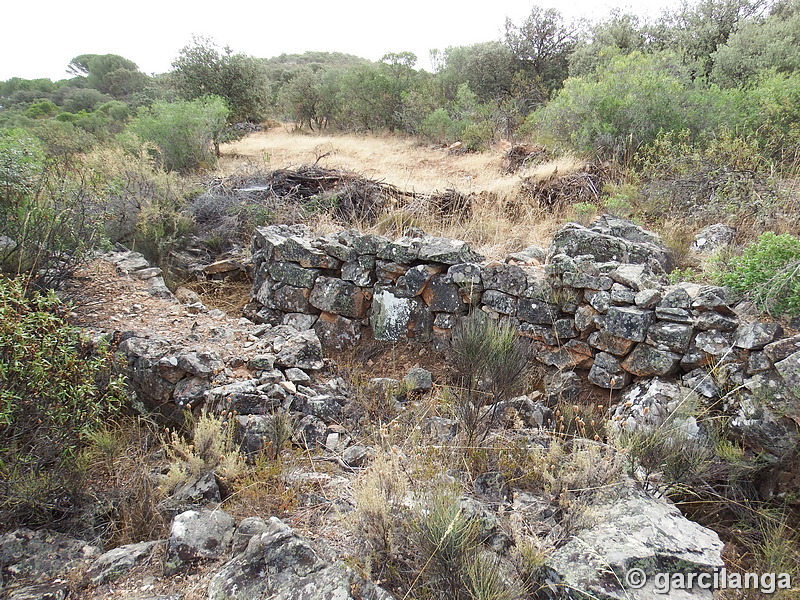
40,38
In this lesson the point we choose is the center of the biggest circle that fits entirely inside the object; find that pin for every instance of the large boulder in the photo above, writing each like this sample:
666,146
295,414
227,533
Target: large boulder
648,404
42,555
613,239
635,531
292,348
280,565
447,251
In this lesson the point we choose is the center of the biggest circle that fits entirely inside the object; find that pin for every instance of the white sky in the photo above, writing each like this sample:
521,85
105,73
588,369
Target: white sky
40,38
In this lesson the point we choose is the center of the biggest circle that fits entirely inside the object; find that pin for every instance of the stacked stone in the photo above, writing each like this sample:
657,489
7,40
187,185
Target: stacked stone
599,305
339,283
617,319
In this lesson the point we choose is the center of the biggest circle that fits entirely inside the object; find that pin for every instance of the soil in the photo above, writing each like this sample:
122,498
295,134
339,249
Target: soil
105,302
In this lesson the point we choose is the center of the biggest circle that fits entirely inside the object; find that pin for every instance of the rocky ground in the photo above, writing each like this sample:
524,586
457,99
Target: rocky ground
372,420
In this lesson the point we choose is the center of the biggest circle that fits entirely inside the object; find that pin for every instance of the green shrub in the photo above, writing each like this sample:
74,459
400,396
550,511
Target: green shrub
55,391
448,540
144,207
437,126
489,359
625,104
768,272
184,132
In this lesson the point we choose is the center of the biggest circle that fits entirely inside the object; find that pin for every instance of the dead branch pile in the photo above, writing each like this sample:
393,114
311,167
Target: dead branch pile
555,192
521,156
348,196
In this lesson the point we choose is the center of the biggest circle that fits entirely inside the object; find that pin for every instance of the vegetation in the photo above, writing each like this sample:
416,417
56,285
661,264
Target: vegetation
489,359
767,273
56,390
182,132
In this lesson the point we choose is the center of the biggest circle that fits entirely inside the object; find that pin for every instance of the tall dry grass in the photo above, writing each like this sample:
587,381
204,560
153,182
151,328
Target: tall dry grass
420,169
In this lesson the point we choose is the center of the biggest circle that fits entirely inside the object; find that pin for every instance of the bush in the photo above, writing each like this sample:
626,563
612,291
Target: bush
56,389
489,359
625,105
721,177
768,272
183,131
380,513
49,215
448,540
144,205
212,448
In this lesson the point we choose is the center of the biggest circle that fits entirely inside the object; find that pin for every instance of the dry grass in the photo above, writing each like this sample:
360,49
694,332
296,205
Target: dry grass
421,169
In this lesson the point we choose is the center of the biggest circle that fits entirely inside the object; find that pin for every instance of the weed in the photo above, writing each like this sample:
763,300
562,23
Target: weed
212,448
378,519
120,462
279,432
485,580
447,539
585,212
263,488
679,275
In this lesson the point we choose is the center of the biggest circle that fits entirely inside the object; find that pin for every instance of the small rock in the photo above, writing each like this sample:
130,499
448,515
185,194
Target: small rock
197,535
115,563
754,336
296,375
418,380
357,456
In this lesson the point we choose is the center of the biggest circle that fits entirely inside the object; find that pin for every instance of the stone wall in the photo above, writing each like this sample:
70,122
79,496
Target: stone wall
598,301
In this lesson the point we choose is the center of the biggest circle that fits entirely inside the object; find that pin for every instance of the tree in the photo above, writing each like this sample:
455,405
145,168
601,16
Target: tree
399,69
366,98
756,46
203,69
109,73
301,99
542,44
696,32
621,33
487,68
78,99
184,131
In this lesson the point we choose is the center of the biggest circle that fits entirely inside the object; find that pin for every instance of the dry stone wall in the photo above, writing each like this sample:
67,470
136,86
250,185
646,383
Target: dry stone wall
597,301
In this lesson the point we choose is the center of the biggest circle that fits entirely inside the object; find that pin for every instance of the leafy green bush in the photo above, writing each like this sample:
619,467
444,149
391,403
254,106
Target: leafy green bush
625,104
183,131
56,389
768,272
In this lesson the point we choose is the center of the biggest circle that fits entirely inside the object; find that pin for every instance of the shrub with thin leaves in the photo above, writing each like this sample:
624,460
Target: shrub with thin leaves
184,131
56,389
211,448
50,218
448,540
768,272
489,359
